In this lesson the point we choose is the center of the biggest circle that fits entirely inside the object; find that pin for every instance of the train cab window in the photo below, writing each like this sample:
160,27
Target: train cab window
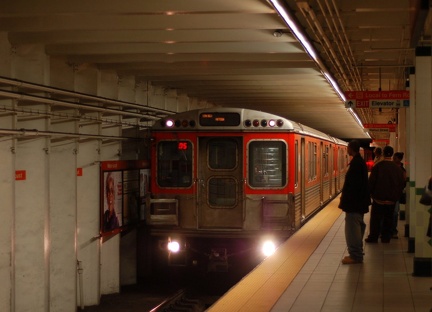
174,164
222,154
267,164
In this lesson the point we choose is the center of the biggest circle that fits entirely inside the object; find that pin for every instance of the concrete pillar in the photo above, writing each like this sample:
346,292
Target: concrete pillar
422,160
32,240
7,190
88,198
63,221
7,195
409,156
63,197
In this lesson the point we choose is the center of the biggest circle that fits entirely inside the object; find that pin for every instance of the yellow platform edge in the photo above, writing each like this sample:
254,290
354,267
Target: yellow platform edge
262,287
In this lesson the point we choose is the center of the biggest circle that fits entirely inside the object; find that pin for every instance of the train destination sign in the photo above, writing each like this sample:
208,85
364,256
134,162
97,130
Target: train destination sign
219,119
377,99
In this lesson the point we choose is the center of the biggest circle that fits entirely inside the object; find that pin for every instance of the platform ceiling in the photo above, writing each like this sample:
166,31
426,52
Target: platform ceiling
238,53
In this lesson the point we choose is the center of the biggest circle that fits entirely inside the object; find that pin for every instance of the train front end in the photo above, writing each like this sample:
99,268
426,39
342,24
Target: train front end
219,187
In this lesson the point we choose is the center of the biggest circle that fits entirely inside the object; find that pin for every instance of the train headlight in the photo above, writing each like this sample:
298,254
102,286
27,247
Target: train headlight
173,246
272,123
169,123
268,248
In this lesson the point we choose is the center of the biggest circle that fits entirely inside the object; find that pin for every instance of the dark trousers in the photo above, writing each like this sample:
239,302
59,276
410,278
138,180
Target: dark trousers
381,221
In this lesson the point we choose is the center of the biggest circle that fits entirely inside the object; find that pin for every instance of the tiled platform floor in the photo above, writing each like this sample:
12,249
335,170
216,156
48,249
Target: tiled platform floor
384,282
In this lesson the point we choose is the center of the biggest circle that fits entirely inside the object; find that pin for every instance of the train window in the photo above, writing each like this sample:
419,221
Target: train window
267,163
312,161
222,192
174,164
222,154
326,160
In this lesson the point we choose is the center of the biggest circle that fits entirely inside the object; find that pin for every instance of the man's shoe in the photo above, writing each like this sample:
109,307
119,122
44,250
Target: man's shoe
349,260
395,236
370,240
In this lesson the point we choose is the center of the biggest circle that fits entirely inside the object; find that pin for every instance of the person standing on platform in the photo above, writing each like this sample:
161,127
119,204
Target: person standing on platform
378,155
386,183
355,203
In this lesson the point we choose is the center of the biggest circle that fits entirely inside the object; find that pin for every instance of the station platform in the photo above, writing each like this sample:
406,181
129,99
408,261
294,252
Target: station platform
306,274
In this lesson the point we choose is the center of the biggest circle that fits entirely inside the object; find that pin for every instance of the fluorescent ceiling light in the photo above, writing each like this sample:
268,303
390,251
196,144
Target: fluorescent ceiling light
289,20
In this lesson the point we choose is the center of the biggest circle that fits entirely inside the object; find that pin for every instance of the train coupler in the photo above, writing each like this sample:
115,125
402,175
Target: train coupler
218,260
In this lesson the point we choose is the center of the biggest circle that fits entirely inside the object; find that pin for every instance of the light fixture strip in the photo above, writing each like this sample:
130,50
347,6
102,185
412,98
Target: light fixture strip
289,20
351,111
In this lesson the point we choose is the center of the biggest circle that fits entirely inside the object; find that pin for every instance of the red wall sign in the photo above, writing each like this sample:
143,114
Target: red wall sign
20,175
378,95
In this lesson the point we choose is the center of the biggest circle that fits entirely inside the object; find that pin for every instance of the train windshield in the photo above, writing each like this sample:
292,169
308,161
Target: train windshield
174,161
267,164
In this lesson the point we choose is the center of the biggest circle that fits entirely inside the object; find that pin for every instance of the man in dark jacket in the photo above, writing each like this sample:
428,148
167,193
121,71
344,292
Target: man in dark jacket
386,183
355,203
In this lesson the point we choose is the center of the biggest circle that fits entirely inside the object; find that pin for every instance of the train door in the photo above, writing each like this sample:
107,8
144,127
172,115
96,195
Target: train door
303,178
326,171
337,168
220,182
322,169
330,171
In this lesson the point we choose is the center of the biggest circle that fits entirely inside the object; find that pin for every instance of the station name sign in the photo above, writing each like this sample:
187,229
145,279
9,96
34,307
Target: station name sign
377,99
380,127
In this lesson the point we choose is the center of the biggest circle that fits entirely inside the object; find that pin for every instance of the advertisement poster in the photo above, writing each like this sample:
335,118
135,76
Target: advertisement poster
124,185
112,216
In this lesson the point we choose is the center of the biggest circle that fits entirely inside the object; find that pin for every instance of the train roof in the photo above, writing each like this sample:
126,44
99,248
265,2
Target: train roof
234,119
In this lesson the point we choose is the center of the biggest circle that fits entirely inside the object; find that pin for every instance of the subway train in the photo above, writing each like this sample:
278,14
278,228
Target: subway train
228,180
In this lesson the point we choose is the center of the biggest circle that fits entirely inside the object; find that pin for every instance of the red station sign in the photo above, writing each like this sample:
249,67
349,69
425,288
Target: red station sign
377,99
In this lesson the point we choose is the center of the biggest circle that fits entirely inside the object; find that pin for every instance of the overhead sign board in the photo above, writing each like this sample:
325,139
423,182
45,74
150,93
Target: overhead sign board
381,127
377,99
381,136
386,141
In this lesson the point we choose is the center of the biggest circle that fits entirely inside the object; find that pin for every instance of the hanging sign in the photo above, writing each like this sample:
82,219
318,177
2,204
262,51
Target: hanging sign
377,99
381,127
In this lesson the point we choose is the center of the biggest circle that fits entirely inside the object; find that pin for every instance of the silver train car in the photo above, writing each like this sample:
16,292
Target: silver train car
220,176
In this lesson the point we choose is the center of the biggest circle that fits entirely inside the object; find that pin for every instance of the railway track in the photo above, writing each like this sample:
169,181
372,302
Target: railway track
178,289
180,302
